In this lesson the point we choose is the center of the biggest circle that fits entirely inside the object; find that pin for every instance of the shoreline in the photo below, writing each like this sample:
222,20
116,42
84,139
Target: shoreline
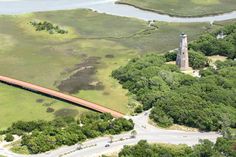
169,14
117,8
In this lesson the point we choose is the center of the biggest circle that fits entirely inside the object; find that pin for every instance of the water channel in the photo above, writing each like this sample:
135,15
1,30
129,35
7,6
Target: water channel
13,7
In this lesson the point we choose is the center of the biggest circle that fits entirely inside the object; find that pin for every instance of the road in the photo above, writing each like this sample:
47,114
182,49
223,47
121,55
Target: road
145,131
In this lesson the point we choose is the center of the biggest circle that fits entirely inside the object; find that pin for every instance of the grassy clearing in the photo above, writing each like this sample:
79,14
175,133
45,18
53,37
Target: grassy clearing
44,59
174,127
215,58
166,37
18,104
185,7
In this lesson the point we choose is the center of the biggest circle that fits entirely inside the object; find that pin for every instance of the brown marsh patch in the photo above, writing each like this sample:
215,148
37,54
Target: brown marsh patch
109,56
39,100
65,112
82,77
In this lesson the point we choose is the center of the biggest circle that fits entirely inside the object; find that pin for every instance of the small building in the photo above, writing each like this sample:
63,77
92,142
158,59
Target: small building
221,35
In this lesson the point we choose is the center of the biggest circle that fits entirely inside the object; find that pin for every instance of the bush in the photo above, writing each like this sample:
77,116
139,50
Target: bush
159,116
9,137
50,110
138,109
198,60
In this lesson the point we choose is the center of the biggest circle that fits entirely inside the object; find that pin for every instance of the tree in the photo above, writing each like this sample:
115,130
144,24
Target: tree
138,109
226,146
143,149
9,137
204,149
198,60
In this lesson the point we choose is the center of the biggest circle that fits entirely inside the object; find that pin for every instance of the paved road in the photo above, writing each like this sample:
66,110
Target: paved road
96,147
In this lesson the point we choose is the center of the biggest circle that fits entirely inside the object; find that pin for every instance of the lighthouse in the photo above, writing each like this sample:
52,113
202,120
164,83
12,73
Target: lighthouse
182,59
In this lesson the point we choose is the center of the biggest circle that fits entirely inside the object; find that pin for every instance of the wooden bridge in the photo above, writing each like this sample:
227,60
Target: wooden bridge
59,95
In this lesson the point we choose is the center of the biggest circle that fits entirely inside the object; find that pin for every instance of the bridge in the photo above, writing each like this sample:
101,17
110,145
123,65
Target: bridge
64,97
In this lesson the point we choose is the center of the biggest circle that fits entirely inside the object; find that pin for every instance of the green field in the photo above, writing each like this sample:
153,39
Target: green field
18,104
185,7
48,60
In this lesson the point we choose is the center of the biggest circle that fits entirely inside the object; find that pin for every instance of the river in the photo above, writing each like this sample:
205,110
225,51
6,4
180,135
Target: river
13,7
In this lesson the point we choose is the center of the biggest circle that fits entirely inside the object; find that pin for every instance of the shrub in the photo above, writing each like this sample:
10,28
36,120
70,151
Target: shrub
138,109
50,110
9,137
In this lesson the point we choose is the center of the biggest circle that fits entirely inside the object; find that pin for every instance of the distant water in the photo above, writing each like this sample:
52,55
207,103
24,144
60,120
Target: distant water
103,6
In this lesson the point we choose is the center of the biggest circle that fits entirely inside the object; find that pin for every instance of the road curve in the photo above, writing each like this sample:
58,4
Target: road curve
59,95
145,131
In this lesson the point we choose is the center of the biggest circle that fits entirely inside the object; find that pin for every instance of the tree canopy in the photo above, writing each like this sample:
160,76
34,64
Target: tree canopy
223,148
207,103
42,136
209,44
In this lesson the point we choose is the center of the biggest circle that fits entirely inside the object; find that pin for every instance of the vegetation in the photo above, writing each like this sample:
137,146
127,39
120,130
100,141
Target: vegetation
32,106
57,57
209,44
223,147
197,60
185,7
47,26
207,103
41,136
9,137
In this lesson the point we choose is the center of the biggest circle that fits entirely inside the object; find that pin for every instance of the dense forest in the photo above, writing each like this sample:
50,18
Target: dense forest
221,42
41,136
207,103
222,147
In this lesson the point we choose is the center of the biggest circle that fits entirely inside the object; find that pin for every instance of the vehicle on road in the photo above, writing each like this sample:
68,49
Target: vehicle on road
107,145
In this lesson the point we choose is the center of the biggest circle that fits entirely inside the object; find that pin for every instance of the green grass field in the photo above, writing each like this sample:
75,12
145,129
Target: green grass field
185,7
18,104
46,60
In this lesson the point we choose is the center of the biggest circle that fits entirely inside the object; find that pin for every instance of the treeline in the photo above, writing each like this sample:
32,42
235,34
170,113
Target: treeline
47,26
207,103
225,45
41,136
222,148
